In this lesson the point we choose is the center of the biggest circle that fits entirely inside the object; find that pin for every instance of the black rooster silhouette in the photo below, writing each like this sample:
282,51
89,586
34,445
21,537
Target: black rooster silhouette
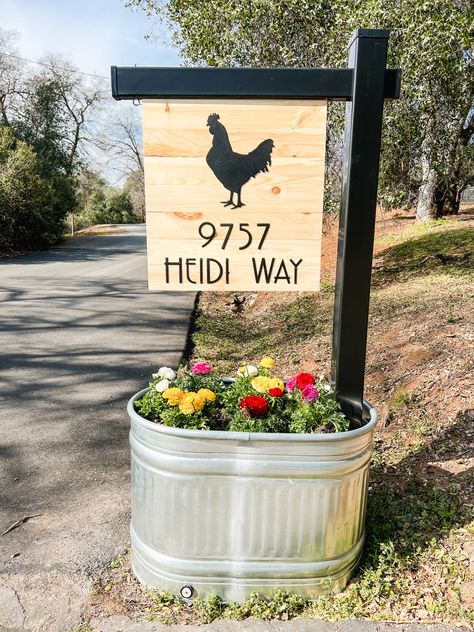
231,169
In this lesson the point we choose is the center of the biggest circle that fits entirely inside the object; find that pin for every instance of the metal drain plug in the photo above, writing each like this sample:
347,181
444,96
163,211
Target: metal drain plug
186,592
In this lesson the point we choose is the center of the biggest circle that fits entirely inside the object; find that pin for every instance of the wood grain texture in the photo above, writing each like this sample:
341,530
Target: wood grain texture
188,184
180,130
182,192
177,226
158,248
241,276
195,142
245,114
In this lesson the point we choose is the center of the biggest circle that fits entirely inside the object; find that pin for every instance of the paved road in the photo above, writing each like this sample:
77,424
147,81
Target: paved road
79,333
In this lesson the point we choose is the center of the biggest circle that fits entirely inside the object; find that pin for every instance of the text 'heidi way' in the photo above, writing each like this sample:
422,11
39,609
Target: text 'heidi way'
210,271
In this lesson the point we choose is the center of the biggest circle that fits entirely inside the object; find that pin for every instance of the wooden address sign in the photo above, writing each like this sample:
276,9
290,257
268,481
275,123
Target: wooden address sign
234,193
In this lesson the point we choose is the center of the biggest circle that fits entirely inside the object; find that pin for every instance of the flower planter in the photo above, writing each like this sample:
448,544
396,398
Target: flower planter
232,512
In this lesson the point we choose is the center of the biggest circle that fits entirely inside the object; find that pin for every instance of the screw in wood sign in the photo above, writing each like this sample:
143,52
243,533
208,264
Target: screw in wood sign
234,193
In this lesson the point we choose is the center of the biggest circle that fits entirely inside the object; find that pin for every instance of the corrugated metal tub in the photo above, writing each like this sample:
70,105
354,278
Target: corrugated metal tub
232,512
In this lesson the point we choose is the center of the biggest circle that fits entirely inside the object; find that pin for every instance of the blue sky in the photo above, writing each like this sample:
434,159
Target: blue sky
94,34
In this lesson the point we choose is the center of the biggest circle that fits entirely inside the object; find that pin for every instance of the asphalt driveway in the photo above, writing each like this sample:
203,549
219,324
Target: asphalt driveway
79,333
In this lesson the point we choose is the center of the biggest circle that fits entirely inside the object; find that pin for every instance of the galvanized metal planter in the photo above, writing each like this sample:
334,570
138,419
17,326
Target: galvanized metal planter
232,512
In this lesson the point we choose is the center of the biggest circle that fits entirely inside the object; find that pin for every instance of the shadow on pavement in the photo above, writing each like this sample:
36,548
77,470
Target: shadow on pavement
70,360
83,249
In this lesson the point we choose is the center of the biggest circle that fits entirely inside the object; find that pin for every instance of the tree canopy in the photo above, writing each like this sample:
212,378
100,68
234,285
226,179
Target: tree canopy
46,137
427,156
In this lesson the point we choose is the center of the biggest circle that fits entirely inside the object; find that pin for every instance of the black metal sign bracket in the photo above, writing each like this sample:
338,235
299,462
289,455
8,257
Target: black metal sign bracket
130,82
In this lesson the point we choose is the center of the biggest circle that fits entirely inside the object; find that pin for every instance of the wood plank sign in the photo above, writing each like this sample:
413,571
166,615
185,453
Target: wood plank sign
234,193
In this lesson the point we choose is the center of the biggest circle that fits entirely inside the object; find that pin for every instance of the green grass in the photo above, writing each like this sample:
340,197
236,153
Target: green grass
417,230
119,561
449,251
406,529
304,318
83,627
399,400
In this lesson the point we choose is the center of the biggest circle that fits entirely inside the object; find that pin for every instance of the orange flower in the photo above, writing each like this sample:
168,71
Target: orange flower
173,395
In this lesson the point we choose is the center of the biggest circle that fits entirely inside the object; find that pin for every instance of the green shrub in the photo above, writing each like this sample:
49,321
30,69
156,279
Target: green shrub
32,207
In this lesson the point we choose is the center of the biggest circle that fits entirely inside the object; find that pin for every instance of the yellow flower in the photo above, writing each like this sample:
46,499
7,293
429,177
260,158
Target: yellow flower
275,382
173,395
187,409
208,395
261,384
189,396
199,402
267,363
186,403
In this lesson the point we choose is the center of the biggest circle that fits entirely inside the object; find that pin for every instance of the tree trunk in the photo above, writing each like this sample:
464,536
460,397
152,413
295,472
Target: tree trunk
455,202
425,206
3,112
454,191
439,199
452,205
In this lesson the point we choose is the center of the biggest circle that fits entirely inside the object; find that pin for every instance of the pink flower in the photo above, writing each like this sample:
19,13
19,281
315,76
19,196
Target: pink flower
291,383
309,394
201,368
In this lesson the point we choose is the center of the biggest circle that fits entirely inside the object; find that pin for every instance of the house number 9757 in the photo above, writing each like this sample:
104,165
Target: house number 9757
208,232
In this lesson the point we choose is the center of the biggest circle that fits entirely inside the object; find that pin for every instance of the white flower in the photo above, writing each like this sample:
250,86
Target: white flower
162,385
248,371
166,373
327,388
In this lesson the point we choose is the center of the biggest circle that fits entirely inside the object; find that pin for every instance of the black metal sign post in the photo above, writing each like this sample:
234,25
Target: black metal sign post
363,133
364,85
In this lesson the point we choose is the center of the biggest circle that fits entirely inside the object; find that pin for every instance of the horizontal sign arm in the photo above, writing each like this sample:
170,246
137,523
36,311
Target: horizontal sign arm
132,82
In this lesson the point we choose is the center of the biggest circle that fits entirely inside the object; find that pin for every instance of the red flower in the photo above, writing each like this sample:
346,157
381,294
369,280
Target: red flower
303,379
275,392
255,405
